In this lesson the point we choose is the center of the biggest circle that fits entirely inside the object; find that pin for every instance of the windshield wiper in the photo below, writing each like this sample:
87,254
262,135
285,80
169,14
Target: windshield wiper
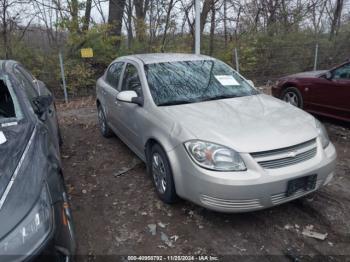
176,102
219,97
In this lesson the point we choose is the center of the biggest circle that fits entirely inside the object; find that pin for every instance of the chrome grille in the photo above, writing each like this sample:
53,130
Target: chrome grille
230,204
287,156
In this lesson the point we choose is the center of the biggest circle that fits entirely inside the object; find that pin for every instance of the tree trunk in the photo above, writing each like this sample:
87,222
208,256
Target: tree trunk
207,5
74,10
167,24
336,18
87,15
129,23
225,22
141,7
212,29
115,19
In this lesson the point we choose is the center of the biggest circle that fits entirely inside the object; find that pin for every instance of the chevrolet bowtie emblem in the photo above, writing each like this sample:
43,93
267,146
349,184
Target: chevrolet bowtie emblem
292,154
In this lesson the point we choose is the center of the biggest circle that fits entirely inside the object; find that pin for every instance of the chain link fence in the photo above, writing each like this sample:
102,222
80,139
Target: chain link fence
269,63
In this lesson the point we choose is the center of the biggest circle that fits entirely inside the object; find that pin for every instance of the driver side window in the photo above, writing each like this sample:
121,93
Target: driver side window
131,80
342,72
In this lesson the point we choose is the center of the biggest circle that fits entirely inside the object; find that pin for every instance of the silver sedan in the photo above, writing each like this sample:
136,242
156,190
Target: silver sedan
207,135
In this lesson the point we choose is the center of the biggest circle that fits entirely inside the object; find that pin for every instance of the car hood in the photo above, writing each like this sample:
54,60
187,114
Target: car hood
310,74
29,141
246,124
11,150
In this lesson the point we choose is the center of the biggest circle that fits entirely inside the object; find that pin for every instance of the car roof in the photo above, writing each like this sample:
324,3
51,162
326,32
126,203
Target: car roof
4,64
154,58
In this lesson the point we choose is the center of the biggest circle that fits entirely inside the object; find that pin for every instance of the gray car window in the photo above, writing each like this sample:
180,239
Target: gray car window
342,72
194,81
9,106
131,80
113,74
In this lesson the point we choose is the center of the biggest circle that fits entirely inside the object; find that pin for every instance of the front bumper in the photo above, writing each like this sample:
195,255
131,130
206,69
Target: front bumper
250,190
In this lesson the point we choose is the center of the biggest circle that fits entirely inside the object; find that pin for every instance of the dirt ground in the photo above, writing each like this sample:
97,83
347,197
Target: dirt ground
121,215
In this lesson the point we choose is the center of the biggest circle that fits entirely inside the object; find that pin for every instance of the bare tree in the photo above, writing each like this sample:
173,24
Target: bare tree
166,26
212,28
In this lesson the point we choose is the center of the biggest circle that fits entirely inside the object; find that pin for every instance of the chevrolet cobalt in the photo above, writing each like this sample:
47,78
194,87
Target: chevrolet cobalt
207,135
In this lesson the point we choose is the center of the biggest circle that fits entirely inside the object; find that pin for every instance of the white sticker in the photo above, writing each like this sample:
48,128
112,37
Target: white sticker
9,124
227,80
2,138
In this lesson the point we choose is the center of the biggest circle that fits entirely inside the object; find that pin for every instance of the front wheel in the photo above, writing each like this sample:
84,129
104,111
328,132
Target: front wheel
161,174
293,96
104,128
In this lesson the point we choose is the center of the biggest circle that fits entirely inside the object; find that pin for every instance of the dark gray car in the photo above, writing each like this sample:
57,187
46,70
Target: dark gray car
34,213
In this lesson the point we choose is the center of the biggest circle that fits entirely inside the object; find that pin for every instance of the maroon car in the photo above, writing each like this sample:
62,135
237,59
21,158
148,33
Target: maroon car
320,92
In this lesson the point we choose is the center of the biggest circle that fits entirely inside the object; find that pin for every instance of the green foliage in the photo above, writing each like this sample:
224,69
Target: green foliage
262,57
79,76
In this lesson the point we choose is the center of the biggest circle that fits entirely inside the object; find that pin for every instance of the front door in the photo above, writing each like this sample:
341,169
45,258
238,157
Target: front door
129,114
331,96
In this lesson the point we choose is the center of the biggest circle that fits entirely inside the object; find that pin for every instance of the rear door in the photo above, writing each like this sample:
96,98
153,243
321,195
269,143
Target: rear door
110,89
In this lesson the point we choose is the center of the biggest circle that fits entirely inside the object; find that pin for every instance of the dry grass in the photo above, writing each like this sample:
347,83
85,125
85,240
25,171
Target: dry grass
76,103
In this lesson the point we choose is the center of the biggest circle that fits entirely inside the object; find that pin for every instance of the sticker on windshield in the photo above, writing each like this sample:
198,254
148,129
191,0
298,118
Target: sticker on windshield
2,138
227,80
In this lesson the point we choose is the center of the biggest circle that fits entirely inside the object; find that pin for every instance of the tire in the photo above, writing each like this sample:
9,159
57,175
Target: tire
102,122
162,176
293,96
60,138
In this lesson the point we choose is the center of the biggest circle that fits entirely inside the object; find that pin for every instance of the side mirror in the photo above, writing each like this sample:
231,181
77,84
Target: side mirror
328,75
251,83
130,96
42,104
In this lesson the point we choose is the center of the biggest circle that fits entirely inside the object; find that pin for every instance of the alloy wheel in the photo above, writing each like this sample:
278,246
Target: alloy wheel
291,98
101,119
159,173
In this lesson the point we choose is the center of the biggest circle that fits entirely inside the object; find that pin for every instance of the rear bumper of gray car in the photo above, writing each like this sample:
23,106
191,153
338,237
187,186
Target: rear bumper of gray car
249,190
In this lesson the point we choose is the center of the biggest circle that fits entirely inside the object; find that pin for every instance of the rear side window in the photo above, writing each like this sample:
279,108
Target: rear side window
9,106
113,74
342,72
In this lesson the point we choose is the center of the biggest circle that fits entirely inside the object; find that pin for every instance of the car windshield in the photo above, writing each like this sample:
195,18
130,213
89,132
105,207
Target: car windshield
9,106
185,82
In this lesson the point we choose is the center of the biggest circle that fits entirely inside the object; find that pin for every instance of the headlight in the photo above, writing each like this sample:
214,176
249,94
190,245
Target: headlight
32,231
322,133
214,157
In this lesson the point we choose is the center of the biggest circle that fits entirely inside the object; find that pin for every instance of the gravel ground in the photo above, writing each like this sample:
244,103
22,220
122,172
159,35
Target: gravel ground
121,215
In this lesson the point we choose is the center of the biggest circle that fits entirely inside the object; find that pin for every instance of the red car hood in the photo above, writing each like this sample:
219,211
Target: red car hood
308,74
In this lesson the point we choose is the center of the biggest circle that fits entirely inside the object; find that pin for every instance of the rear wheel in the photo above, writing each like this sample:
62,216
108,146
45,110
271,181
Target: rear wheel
293,96
162,176
104,128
